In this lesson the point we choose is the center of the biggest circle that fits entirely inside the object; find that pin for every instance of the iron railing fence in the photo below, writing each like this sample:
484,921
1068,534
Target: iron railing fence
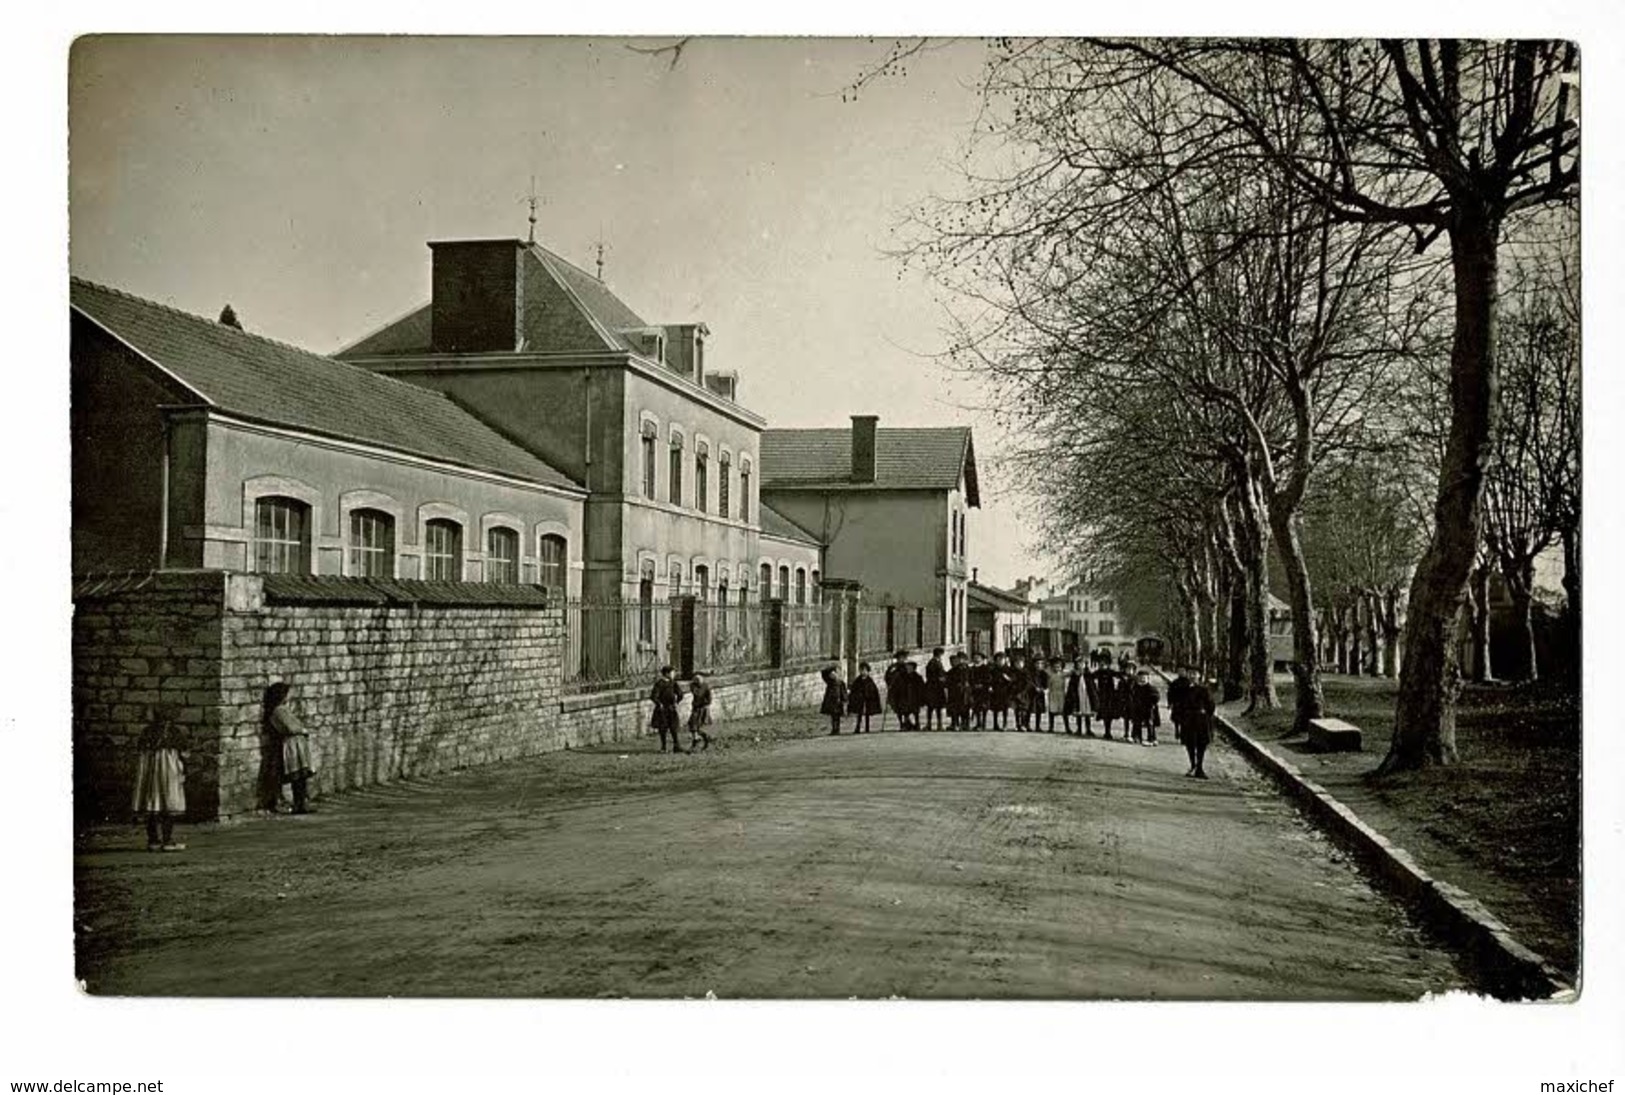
731,637
617,644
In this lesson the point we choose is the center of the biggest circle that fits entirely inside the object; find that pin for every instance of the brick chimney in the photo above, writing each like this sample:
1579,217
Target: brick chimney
863,447
477,295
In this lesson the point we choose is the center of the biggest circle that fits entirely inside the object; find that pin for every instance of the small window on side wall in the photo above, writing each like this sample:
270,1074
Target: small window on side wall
554,557
372,544
443,550
502,555
281,536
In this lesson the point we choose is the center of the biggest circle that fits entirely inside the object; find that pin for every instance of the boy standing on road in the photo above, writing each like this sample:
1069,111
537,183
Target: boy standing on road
959,693
1021,691
1000,683
666,695
863,699
1143,713
979,688
936,690
700,715
835,698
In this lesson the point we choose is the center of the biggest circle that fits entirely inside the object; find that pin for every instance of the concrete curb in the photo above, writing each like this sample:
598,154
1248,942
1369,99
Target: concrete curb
1505,968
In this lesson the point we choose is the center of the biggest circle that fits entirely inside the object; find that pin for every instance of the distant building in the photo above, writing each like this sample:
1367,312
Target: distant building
996,619
889,504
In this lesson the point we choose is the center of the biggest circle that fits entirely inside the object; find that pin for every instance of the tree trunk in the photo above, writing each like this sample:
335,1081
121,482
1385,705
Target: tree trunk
1390,632
1311,696
1373,667
1255,561
1571,569
1479,624
1425,714
1235,647
1520,581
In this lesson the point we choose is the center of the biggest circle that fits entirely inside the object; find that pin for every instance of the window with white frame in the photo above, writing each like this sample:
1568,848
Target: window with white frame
784,583
724,460
817,588
502,555
765,583
281,536
443,550
744,490
646,601
702,475
674,580
702,582
674,473
801,586
372,544
553,558
648,446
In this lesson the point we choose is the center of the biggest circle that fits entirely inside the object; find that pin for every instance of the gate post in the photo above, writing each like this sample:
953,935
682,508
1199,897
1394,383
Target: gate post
775,632
684,624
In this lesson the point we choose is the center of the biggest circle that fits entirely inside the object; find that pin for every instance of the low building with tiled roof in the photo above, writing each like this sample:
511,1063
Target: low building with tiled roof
196,444
551,357
891,505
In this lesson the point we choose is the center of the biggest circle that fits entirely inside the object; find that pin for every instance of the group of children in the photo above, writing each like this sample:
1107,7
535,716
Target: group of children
978,694
666,695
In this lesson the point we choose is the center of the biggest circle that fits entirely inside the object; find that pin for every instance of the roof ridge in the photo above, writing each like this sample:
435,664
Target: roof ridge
238,331
600,328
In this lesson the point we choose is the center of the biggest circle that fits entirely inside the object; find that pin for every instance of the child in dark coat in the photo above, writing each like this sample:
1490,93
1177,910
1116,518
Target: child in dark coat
936,690
699,715
1190,709
666,695
1072,701
835,699
1021,691
958,687
1000,686
909,697
863,699
980,688
1144,716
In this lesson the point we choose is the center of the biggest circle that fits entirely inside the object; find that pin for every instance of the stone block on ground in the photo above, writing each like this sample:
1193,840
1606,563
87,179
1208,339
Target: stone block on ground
1334,736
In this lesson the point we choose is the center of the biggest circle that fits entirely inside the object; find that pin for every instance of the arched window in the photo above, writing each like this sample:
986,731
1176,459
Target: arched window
723,469
784,583
817,589
722,588
801,586
372,544
674,472
648,446
443,550
501,555
674,579
765,583
553,555
702,582
702,476
744,490
281,536
646,601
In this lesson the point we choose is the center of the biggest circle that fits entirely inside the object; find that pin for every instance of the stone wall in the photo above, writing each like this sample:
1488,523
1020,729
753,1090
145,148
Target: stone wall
393,679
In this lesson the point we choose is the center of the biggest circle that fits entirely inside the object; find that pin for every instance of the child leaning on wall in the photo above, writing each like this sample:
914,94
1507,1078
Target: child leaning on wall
159,792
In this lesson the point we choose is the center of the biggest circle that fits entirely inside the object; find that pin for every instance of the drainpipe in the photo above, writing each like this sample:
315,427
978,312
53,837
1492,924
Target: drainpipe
163,504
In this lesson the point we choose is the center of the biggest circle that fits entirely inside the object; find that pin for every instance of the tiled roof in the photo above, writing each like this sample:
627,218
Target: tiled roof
995,597
273,382
778,525
927,458
607,310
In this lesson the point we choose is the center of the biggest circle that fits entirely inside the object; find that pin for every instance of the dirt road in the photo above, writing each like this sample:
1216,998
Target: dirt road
916,865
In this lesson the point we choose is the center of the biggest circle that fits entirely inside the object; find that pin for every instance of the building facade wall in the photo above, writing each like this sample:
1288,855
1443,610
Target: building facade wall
894,542
245,462
116,431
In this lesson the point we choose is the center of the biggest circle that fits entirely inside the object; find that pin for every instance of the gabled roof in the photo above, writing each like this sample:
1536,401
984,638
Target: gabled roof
780,527
566,309
926,458
273,382
995,598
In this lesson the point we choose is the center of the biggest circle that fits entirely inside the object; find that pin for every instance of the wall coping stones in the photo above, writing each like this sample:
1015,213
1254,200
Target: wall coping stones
335,590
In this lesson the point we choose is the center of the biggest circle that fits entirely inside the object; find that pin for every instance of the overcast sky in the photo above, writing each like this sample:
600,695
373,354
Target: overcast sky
299,179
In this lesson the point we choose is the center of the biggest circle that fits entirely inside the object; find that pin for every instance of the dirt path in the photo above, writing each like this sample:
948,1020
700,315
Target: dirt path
917,865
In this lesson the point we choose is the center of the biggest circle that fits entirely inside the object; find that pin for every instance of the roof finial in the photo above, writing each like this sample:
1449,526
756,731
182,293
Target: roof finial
599,250
532,202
